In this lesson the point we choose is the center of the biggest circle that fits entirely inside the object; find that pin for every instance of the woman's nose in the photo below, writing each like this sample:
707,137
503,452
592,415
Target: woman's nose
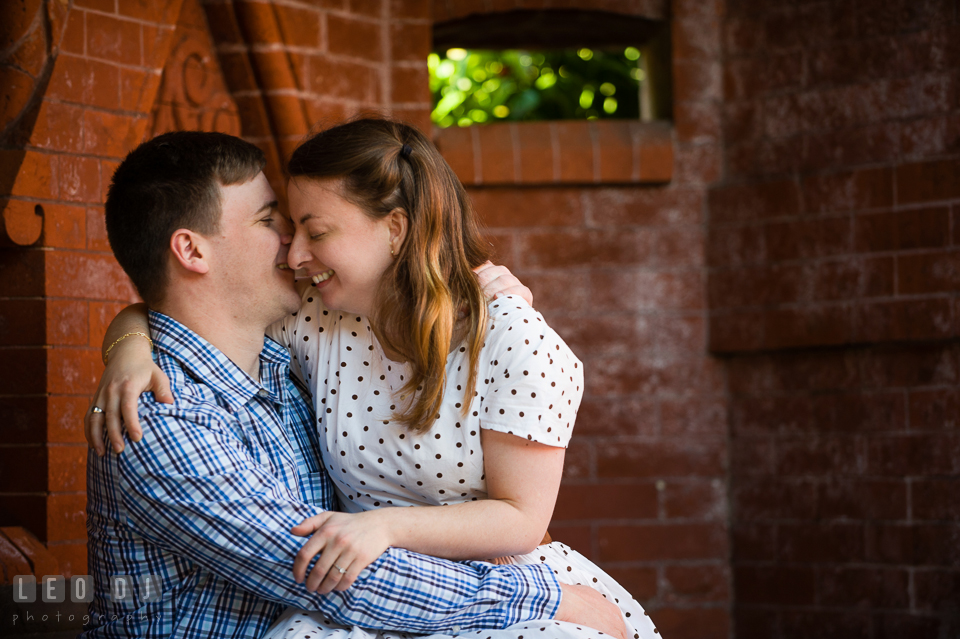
298,255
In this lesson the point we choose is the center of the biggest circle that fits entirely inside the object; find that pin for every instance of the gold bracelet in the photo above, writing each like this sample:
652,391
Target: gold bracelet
123,337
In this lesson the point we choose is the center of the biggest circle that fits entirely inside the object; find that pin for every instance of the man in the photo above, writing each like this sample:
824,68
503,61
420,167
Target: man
206,499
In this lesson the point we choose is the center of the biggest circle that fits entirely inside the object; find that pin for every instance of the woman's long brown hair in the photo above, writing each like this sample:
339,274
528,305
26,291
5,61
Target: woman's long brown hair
382,166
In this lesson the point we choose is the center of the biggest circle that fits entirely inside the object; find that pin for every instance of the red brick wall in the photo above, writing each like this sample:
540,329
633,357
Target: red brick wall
832,285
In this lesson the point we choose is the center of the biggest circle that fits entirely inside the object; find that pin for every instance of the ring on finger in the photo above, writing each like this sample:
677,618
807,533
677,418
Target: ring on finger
341,570
96,409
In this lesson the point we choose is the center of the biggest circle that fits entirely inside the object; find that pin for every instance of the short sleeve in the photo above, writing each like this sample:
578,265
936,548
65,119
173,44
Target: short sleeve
531,382
304,332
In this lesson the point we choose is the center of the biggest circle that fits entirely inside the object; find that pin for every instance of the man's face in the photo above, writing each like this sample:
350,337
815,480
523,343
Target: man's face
250,253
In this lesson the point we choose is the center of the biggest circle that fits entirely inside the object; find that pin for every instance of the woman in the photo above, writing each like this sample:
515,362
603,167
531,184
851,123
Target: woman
425,394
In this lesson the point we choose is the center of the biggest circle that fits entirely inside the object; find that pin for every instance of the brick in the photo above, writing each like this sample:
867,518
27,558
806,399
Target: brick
735,245
732,332
697,417
820,326
906,625
87,82
846,413
906,320
776,585
773,498
639,582
936,590
110,135
576,149
67,468
165,13
863,499
697,122
753,456
936,545
557,291
696,584
66,322
865,587
935,500
505,207
642,206
587,248
576,536
456,145
410,84
660,542
343,79
756,623
87,275
496,153
849,190
756,201
300,27
754,541
934,409
410,41
825,623
873,143
110,38
928,181
79,179
808,238
916,365
539,155
64,419
606,501
691,499
697,81
357,38
817,456
607,335
632,290
18,89
25,418
758,416
921,228
73,372
23,371
660,459
23,469
692,623
64,226
258,22
22,222
626,416
854,278
97,230
928,273
58,128
373,8
411,9
820,543
66,517
614,150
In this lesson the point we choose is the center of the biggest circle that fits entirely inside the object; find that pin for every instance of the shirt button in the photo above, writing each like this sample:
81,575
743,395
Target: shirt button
262,392
455,629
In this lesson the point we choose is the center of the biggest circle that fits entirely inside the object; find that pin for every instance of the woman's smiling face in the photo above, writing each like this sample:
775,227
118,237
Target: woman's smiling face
342,249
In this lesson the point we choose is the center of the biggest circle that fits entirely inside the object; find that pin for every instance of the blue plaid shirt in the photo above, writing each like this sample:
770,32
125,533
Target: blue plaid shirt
206,501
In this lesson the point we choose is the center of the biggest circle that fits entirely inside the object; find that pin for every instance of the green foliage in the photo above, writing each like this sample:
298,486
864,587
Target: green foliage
477,86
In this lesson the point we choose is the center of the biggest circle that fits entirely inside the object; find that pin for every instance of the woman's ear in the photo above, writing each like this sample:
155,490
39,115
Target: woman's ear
190,250
397,222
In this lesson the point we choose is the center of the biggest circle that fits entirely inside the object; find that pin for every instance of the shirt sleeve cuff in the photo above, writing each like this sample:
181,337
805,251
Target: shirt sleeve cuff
536,594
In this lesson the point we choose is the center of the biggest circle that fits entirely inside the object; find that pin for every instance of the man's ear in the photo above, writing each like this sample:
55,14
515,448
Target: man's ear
397,222
190,250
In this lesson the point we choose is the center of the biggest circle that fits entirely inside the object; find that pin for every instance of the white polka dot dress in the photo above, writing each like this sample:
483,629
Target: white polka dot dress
529,385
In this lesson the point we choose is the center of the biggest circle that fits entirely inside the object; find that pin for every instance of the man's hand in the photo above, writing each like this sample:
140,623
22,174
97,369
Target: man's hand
585,606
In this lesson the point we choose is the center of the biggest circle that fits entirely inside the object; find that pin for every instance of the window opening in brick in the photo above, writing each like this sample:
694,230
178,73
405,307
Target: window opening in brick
477,86
549,65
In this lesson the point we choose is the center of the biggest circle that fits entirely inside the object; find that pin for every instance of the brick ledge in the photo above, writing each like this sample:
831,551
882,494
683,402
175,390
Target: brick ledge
562,152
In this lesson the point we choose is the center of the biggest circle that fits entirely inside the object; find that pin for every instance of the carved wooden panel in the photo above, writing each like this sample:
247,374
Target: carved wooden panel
193,95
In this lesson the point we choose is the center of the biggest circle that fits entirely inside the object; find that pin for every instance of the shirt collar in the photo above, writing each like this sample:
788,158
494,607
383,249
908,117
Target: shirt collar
205,362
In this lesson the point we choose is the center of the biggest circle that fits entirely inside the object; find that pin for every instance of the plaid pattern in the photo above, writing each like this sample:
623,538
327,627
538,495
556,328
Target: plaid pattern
206,501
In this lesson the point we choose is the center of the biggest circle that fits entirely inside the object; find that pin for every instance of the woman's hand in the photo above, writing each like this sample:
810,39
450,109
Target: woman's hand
350,542
497,281
130,371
